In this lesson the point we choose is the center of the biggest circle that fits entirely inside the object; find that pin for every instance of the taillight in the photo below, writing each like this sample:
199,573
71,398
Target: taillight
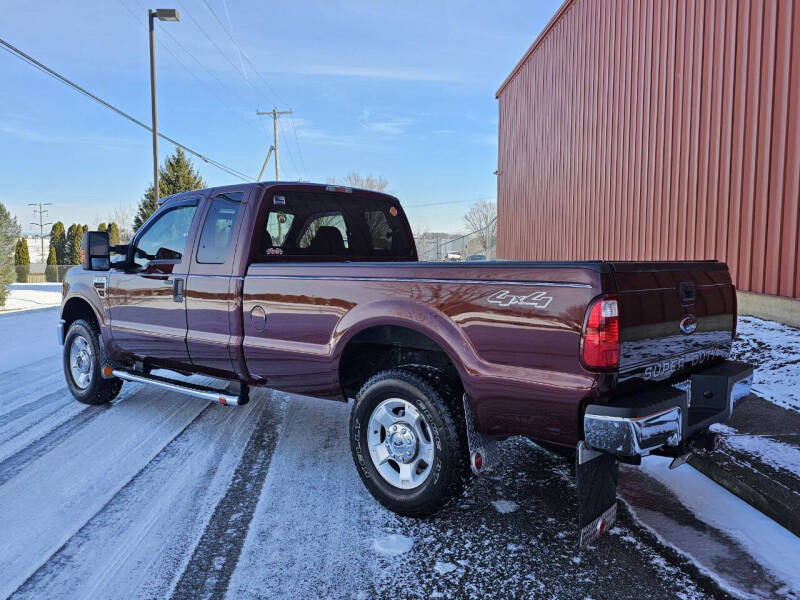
600,341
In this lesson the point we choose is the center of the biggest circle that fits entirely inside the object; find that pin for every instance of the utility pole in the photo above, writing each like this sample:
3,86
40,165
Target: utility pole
41,222
275,113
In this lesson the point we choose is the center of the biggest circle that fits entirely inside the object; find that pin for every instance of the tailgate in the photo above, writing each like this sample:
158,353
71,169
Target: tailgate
673,316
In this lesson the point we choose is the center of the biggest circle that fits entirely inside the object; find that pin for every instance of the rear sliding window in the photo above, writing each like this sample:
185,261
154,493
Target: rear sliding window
333,226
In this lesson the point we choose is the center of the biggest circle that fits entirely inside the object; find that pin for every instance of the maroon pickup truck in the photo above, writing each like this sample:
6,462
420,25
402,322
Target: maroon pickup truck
316,290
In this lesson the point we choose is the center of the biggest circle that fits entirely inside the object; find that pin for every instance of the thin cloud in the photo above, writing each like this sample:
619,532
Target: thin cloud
29,135
381,72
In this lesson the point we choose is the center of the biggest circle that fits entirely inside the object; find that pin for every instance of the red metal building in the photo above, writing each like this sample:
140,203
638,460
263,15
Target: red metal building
639,129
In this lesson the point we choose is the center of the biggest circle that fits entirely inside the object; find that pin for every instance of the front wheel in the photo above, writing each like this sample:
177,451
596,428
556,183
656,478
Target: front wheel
409,443
83,358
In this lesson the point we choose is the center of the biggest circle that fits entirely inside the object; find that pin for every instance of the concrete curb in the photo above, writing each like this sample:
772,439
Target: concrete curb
761,497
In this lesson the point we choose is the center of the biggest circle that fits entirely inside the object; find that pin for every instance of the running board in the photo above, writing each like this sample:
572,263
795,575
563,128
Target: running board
192,389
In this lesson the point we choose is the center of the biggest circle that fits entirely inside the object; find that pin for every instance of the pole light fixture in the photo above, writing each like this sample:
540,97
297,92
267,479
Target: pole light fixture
168,14
162,14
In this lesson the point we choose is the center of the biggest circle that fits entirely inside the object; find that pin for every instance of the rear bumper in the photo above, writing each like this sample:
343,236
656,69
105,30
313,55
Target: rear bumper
667,415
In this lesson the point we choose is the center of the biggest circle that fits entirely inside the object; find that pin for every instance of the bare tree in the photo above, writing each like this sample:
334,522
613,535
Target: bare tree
123,217
481,221
365,182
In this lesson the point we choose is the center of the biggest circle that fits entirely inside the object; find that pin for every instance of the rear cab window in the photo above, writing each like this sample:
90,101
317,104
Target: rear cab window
215,239
318,225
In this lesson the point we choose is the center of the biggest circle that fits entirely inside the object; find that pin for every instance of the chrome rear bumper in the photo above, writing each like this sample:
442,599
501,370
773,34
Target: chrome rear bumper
667,415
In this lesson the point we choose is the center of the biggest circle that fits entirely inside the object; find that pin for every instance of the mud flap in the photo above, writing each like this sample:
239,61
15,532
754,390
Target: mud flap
596,474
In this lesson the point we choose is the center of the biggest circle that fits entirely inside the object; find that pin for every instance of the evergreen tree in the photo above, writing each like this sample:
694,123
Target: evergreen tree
22,260
177,175
73,246
9,232
51,270
113,234
58,241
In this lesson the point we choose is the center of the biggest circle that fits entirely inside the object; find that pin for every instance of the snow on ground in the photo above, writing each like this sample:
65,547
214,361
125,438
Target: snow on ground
28,337
775,350
776,454
771,545
25,296
161,495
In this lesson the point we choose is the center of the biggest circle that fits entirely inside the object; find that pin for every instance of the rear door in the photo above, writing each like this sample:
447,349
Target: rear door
674,316
212,293
147,305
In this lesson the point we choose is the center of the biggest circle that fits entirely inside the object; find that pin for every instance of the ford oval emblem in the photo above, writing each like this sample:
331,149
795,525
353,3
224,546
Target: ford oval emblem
689,324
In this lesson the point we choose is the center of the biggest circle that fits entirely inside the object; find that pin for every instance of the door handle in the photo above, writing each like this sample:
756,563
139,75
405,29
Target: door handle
177,289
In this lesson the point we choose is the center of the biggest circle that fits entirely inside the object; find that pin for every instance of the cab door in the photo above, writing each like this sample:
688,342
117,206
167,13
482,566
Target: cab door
147,303
213,293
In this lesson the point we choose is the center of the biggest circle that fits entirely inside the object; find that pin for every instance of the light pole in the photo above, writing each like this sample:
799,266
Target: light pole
162,14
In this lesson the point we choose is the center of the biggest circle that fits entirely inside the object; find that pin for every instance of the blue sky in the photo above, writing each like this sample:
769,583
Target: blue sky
403,90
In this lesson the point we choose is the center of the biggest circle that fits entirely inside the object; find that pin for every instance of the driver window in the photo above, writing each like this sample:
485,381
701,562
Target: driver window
166,238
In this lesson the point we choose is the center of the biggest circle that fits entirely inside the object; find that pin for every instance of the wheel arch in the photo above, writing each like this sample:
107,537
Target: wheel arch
378,345
78,307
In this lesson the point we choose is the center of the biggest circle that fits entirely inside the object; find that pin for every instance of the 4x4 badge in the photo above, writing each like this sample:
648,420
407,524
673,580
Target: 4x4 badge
506,298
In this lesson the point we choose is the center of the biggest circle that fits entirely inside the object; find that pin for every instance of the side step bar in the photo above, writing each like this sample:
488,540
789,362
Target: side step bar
192,389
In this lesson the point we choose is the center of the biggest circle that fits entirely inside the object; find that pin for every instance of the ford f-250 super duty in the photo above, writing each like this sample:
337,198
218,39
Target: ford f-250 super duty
317,290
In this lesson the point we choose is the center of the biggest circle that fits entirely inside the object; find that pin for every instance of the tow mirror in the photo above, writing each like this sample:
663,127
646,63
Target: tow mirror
95,252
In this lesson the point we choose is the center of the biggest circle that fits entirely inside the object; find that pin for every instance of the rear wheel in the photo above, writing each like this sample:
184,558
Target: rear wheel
83,359
409,442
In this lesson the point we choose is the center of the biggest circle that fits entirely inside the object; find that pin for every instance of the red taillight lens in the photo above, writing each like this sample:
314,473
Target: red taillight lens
601,335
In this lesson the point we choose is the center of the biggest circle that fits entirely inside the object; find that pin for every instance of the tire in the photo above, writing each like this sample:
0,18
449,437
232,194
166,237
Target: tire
412,408
82,371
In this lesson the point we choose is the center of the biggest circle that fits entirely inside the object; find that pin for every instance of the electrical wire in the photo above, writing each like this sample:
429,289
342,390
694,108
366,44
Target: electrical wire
220,50
289,148
299,147
177,58
425,205
10,48
243,53
260,76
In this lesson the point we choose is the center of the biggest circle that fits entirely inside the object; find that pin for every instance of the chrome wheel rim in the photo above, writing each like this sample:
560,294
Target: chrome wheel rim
400,444
81,361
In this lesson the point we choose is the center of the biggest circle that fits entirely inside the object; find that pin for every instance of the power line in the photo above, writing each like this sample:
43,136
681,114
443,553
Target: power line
299,147
260,76
243,53
220,50
44,68
177,58
289,147
424,205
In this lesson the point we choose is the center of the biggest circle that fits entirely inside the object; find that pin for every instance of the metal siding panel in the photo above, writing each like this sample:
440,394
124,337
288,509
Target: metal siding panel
705,201
657,130
790,256
737,150
783,48
763,152
726,131
689,230
750,139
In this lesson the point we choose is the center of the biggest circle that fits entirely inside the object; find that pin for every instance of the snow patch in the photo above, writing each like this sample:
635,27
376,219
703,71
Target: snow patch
771,452
25,296
444,567
775,350
761,537
505,506
393,544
